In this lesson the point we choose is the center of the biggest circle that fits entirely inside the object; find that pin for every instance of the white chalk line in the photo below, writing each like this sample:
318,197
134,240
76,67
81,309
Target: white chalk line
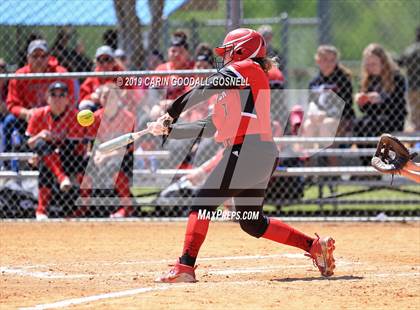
9,269
229,271
205,259
22,271
340,266
94,298
167,261
88,299
161,287
49,275
262,269
41,274
258,269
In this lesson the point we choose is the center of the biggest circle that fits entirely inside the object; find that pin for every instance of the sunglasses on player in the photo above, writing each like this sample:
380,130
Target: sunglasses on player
39,56
103,60
58,95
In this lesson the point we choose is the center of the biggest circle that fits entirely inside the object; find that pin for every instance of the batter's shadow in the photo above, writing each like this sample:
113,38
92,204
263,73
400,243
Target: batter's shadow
308,279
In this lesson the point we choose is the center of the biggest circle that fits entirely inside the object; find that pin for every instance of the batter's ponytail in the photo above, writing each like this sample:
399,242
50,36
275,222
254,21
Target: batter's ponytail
266,63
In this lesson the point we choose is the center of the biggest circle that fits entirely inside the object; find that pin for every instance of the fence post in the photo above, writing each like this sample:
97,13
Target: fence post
324,16
195,37
284,39
166,36
233,14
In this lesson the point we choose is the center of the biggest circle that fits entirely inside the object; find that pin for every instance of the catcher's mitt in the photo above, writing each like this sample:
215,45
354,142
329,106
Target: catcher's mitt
391,155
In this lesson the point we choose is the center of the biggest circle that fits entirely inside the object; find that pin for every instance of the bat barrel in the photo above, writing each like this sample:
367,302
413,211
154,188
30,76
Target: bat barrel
116,143
121,141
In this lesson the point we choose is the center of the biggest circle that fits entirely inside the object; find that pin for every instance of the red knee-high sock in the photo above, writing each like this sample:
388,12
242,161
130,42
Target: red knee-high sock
85,185
85,181
122,187
194,238
43,199
283,233
53,162
85,192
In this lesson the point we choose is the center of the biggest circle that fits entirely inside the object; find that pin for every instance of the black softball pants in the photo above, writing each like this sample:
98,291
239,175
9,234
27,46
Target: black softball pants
242,174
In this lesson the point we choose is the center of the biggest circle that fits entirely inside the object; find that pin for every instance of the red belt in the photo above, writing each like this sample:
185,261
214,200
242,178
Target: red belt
240,139
233,141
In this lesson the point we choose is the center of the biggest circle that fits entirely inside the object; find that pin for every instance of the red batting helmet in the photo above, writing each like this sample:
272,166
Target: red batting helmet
242,43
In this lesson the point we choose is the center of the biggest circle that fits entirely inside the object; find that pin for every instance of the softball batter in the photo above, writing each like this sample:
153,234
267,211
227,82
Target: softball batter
241,121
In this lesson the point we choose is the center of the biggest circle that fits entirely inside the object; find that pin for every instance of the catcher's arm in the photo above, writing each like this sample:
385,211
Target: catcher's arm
413,175
391,155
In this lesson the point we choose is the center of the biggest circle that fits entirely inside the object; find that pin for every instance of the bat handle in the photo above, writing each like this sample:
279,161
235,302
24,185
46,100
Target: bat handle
166,123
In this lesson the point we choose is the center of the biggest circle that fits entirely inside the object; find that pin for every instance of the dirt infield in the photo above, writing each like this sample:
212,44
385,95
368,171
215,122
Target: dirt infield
112,265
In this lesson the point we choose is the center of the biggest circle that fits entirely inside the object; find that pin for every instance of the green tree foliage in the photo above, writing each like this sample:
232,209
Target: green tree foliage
357,23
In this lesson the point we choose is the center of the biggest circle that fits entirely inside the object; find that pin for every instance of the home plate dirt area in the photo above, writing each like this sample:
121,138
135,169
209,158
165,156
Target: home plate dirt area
112,265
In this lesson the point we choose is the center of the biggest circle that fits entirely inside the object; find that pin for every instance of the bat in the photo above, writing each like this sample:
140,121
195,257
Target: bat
125,139
121,141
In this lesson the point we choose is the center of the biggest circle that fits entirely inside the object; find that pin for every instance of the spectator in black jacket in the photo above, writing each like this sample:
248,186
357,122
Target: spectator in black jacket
330,101
382,94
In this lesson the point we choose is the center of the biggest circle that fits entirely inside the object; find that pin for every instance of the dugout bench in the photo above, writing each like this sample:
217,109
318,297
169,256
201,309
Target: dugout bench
322,177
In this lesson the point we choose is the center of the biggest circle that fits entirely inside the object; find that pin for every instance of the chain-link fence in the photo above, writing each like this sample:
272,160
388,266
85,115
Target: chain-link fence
347,71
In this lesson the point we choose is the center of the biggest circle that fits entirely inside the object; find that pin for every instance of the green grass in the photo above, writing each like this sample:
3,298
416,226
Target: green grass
312,193
136,191
358,23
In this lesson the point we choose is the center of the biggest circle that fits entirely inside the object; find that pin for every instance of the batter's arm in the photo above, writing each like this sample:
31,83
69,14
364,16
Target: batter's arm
201,128
210,87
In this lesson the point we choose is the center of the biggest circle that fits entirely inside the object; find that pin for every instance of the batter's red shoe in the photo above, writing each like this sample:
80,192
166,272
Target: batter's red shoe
322,254
178,273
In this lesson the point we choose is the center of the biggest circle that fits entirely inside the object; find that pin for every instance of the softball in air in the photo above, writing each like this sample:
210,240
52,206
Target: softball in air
85,118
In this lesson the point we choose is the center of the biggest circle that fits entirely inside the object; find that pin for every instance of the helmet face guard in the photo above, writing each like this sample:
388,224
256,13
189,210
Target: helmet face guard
222,52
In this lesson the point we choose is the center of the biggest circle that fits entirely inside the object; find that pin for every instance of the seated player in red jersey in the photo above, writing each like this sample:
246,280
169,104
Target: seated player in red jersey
55,135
